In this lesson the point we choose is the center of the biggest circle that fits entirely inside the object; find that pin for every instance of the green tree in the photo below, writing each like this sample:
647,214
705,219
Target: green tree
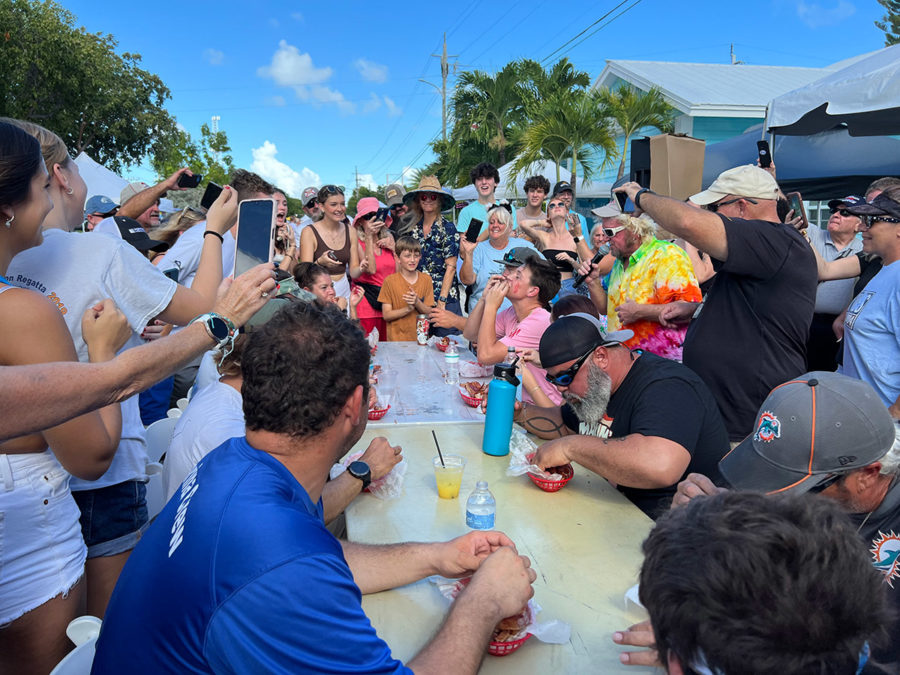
890,22
74,83
573,126
210,156
358,194
633,110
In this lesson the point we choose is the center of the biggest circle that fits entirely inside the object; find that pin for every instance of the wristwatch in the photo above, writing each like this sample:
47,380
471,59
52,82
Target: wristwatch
362,471
443,299
220,329
576,239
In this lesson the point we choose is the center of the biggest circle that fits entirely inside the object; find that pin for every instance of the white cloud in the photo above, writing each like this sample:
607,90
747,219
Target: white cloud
297,16
267,165
373,104
277,101
290,68
370,71
816,16
214,57
393,109
274,23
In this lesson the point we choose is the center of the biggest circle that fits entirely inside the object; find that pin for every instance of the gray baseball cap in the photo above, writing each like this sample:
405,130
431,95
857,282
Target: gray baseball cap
807,430
393,194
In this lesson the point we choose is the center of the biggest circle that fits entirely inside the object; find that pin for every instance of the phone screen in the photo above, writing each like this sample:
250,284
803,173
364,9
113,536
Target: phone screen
210,195
256,234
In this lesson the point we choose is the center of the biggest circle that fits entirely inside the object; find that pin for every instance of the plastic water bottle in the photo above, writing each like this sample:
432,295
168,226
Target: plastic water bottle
451,360
481,508
501,406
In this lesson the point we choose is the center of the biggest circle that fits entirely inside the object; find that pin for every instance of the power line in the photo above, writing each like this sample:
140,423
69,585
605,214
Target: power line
547,58
599,28
513,28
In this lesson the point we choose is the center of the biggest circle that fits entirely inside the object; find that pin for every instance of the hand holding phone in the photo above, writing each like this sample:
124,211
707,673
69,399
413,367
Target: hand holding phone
210,195
256,233
765,154
332,256
796,202
221,215
474,229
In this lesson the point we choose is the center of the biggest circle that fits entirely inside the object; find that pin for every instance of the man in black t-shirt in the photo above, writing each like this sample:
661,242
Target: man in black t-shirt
751,333
640,421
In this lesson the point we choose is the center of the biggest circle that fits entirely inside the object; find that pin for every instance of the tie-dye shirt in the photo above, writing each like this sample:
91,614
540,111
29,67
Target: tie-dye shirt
658,273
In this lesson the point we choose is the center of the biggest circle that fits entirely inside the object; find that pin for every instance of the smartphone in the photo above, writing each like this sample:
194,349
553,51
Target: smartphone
796,202
765,155
186,181
625,203
256,234
474,230
210,195
381,214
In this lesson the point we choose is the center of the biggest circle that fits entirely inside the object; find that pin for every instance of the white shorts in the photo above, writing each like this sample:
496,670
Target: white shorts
42,552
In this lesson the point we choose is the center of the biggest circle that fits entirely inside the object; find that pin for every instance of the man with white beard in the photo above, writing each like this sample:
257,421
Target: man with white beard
640,421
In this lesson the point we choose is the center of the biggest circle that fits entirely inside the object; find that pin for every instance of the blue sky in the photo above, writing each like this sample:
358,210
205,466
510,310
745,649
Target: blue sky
310,93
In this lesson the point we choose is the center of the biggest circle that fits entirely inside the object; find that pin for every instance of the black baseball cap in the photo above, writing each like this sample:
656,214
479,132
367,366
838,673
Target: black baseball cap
518,256
135,234
562,186
570,337
882,205
807,430
849,200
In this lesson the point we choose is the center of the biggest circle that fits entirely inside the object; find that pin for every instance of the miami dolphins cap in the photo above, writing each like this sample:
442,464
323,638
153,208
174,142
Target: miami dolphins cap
808,430
571,336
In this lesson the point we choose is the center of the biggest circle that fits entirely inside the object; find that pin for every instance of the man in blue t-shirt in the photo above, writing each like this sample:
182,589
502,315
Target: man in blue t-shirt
485,178
239,574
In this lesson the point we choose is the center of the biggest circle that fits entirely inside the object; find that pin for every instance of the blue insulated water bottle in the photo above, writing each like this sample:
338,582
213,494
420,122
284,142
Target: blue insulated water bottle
500,408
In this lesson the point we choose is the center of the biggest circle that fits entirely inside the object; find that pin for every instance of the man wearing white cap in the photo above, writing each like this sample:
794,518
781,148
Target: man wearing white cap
751,334
141,201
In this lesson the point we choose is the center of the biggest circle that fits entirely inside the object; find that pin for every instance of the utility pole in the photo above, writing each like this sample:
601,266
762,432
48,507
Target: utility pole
356,172
445,72
215,130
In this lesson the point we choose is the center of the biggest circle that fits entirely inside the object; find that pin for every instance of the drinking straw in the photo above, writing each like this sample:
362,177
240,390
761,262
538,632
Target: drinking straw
438,448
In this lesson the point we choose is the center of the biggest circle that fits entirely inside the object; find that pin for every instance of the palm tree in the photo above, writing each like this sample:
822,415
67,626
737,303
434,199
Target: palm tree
633,110
571,125
489,106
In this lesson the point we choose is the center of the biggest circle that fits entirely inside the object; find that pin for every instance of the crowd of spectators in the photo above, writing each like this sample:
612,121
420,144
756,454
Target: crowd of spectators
692,368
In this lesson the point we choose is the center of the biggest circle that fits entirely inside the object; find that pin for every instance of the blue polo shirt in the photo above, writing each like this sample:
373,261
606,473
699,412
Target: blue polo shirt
237,575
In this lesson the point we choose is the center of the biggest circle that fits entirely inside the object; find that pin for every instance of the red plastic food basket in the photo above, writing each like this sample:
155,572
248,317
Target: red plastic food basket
377,414
504,648
566,471
471,401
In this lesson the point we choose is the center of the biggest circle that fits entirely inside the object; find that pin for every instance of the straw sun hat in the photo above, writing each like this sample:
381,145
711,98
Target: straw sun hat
430,184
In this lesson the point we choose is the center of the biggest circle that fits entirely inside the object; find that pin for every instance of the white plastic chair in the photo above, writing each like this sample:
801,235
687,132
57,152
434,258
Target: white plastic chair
83,632
159,435
156,496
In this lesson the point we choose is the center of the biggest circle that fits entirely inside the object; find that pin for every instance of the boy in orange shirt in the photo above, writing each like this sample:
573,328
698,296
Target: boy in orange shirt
405,293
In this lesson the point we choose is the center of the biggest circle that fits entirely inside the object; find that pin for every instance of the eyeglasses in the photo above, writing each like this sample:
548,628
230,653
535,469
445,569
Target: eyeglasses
613,231
428,197
868,221
564,379
831,480
557,205
715,207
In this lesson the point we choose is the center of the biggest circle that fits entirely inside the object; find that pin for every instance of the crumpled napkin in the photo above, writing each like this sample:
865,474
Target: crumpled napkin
521,450
474,369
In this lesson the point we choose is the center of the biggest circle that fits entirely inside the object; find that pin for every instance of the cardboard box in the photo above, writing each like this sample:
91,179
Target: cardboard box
676,165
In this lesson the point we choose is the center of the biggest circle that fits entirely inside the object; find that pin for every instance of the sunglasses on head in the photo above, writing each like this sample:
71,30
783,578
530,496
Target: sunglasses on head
715,206
331,190
564,379
613,231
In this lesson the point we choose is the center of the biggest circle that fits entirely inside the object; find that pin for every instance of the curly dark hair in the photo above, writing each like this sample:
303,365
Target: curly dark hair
537,183
20,160
247,183
300,368
485,170
546,277
742,581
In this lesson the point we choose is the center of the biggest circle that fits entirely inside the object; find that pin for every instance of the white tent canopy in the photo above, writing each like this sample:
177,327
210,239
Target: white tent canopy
545,168
102,181
864,95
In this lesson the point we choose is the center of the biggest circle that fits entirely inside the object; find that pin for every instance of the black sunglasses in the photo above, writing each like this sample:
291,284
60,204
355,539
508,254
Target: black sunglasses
715,207
828,482
868,221
331,190
564,379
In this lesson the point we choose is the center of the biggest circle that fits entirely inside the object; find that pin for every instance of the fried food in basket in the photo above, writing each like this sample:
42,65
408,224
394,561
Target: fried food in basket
511,627
476,389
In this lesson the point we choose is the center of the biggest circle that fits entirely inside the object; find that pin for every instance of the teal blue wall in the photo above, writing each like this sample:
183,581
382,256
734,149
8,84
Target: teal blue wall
715,129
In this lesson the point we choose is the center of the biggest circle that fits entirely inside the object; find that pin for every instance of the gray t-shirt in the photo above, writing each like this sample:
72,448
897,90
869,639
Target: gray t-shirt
832,297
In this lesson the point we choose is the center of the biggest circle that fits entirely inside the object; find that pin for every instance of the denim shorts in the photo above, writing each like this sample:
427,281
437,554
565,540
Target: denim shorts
113,518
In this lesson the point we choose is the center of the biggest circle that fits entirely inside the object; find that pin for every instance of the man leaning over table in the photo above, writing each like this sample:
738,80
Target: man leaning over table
529,283
239,574
641,421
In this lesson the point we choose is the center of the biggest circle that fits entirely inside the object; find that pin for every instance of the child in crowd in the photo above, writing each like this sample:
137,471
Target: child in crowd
405,293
